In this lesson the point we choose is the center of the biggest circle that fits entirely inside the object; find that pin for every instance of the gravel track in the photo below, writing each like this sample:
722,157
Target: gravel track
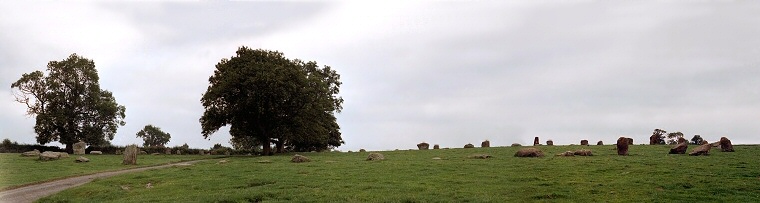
31,193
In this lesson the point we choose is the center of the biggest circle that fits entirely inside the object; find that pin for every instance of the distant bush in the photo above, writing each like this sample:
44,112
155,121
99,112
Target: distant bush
185,149
111,149
106,149
218,149
7,146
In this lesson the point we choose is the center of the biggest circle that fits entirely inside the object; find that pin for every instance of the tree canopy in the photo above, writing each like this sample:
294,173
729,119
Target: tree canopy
68,103
697,140
272,99
153,136
673,137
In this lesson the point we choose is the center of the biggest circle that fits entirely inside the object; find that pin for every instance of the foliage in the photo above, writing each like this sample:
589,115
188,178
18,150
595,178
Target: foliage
9,146
186,149
245,143
68,103
153,136
152,149
7,142
696,140
218,149
647,175
111,149
185,146
659,136
271,99
673,137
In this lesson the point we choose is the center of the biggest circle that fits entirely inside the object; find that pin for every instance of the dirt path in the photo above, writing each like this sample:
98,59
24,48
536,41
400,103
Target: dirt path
34,192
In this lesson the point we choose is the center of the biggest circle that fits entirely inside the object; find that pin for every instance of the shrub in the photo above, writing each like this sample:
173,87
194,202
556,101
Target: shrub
8,146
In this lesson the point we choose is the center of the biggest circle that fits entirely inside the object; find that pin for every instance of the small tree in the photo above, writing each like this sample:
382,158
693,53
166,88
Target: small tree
153,136
696,140
673,137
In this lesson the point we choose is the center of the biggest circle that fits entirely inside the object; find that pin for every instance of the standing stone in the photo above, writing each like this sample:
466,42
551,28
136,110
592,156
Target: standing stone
654,139
118,152
535,141
567,153
96,152
64,154
485,144
226,153
299,159
584,142
680,148
375,157
34,153
550,142
81,159
436,147
583,152
168,151
630,141
681,140
600,143
48,155
130,155
79,148
469,145
701,150
179,152
622,145
423,146
529,152
725,145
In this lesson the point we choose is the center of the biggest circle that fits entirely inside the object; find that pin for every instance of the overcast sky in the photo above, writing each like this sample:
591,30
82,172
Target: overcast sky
447,73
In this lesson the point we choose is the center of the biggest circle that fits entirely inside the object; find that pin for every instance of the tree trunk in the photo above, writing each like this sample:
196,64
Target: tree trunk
267,146
280,146
70,148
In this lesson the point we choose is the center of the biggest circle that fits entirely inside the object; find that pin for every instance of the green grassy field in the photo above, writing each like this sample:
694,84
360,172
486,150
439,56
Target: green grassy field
16,170
649,174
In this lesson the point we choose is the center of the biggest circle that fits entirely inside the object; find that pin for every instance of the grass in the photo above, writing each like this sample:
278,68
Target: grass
16,170
649,174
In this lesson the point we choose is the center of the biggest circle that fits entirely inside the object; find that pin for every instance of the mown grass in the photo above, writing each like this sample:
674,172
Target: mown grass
16,170
649,174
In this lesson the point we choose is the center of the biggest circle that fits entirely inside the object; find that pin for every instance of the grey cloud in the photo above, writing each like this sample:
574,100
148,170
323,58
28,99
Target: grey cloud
594,71
181,24
452,73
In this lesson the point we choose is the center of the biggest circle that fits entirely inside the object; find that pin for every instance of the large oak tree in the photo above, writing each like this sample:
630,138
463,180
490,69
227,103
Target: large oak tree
68,103
273,100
